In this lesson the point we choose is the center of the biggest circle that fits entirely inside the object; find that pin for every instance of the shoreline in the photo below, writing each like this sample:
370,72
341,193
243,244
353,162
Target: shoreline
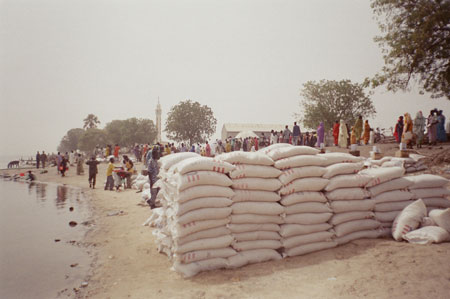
126,264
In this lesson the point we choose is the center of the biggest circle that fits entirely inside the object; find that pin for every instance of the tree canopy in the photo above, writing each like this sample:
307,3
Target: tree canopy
329,101
190,122
91,138
130,131
91,121
70,141
415,43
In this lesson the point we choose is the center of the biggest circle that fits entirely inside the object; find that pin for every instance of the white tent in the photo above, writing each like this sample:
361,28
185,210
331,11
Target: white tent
246,134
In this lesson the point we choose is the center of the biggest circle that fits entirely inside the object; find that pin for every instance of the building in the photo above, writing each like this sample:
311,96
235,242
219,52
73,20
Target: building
158,122
232,130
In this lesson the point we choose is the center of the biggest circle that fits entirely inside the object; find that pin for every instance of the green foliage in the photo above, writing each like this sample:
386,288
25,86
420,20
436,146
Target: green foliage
91,138
190,122
415,43
90,122
329,101
70,141
130,131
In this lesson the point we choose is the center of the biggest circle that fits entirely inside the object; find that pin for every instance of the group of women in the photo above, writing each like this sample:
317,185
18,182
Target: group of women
343,137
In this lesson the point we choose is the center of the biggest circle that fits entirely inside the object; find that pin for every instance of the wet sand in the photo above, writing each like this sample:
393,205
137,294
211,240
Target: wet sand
127,264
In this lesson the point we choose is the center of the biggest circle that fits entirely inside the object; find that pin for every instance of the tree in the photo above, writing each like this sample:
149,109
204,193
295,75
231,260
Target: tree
70,141
329,101
415,43
190,122
91,121
91,138
130,131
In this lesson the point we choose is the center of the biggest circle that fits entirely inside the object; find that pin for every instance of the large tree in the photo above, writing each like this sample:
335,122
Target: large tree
190,122
70,141
91,121
329,101
92,138
130,131
415,43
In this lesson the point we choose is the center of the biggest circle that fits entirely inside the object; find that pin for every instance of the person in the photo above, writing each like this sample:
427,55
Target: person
399,129
440,127
372,136
192,150
320,134
109,178
432,127
343,134
256,143
30,177
313,139
43,159
153,171
79,161
71,158
108,150
419,128
296,133
38,159
366,135
129,167
167,150
116,151
286,134
63,166
407,130
273,137
353,136
58,162
93,170
208,149
227,146
336,132
198,149
358,129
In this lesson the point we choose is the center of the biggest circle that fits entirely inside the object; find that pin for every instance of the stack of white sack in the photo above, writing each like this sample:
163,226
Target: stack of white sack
387,189
196,202
256,213
431,189
353,216
411,164
138,182
305,227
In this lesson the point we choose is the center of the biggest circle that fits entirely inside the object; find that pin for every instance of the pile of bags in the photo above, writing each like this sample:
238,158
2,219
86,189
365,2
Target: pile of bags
256,213
431,189
411,164
353,216
196,208
305,227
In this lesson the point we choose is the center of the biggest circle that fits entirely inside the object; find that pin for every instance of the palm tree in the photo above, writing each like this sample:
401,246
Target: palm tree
91,121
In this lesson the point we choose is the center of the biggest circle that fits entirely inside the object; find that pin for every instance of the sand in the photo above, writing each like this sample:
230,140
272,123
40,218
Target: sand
127,265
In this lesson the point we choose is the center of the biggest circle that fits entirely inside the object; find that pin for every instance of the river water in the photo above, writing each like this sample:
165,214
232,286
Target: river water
40,253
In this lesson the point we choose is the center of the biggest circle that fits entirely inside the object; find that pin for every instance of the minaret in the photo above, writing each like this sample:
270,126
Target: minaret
158,122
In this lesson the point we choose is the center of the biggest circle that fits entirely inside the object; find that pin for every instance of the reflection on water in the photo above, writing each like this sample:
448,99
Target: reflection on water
32,216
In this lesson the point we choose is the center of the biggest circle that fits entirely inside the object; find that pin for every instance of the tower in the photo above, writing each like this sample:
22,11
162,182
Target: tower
158,122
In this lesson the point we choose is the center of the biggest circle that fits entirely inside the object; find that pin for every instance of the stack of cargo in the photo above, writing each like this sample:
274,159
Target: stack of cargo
305,227
350,202
431,189
256,213
196,204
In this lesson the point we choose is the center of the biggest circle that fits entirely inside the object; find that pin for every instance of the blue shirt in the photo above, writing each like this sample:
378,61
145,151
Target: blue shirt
153,171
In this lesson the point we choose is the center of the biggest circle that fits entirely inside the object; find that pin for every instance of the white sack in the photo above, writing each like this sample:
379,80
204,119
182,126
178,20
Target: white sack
299,161
347,194
262,208
347,181
308,207
386,216
426,181
308,248
285,152
395,184
201,163
256,235
291,174
342,168
298,197
168,161
307,218
395,195
199,255
364,234
409,219
182,230
430,192
258,244
203,191
204,214
306,239
392,206
203,234
254,218
256,171
255,195
250,227
355,226
202,202
381,175
191,179
202,244
349,216
334,158
256,184
289,230
441,218
427,235
437,202
253,256
305,184
191,269
342,206
254,158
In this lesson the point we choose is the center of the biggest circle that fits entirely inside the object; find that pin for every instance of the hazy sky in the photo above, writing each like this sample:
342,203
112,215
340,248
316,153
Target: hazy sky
63,59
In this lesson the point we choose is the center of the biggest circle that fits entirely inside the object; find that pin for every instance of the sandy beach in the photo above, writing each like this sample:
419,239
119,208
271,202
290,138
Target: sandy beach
127,265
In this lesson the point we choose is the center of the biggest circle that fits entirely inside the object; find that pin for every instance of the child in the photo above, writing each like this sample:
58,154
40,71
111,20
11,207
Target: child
109,178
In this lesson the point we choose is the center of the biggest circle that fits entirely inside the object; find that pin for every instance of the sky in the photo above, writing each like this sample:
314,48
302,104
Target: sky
63,59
